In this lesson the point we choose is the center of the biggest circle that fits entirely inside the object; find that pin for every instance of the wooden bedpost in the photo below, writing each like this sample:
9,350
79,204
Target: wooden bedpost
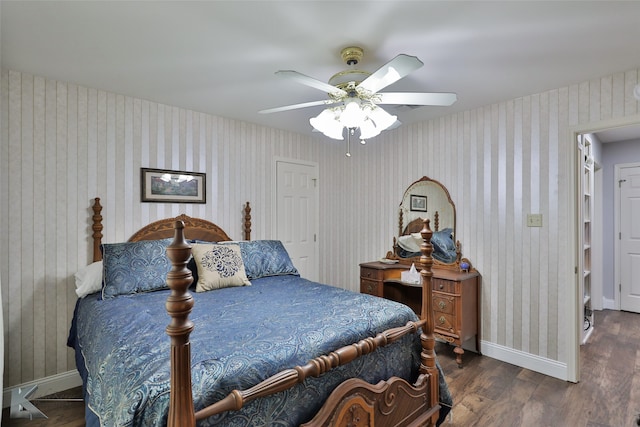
247,222
427,338
97,229
179,305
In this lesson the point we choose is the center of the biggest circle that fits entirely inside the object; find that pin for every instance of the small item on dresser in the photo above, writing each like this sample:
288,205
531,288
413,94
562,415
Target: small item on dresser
411,276
388,261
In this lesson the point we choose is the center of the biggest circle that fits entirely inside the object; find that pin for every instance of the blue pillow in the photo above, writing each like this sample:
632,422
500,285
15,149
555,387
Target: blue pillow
134,267
444,248
264,258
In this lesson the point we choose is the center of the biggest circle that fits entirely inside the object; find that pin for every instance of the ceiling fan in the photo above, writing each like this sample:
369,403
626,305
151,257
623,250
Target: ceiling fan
354,98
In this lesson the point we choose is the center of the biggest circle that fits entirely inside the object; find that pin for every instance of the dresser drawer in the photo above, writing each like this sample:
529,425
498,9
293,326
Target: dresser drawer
371,287
443,285
371,273
444,322
443,304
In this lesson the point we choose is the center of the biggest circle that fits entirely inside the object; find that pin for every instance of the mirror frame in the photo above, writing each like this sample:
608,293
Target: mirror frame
460,263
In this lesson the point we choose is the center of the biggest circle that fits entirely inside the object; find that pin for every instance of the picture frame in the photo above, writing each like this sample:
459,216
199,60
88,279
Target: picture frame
418,203
171,186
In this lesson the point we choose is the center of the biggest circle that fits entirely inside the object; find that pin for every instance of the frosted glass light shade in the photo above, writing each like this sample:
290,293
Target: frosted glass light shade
352,116
327,123
381,118
368,130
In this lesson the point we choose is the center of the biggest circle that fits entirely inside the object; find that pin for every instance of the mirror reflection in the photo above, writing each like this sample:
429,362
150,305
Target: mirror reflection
426,198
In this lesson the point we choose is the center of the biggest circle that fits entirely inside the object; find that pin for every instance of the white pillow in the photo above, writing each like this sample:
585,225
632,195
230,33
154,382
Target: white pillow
408,243
219,266
89,279
418,238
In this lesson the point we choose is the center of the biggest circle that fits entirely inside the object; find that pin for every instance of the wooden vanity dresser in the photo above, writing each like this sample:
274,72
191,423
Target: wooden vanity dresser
455,284
455,300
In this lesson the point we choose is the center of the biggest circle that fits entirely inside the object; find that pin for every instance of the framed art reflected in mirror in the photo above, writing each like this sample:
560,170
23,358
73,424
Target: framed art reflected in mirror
418,203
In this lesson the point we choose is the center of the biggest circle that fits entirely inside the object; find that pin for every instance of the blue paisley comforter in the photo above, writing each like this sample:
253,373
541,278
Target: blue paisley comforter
242,336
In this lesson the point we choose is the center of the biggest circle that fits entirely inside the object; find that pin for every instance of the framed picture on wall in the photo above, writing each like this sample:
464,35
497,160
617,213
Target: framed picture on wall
169,186
418,203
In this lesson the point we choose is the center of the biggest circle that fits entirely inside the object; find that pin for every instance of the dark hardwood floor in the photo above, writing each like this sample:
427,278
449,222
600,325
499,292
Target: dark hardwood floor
492,393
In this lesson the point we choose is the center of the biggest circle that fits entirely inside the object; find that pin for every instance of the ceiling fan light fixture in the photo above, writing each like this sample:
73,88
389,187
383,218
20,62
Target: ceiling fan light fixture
368,130
352,115
355,95
327,123
381,118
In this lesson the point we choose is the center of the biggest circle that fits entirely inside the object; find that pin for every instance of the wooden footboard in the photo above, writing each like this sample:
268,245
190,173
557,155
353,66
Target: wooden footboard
390,403
314,368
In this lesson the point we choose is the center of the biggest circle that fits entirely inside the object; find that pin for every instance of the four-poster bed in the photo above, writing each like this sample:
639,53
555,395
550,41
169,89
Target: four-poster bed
356,357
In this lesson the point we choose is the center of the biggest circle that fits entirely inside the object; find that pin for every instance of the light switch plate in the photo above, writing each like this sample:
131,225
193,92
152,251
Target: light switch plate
534,220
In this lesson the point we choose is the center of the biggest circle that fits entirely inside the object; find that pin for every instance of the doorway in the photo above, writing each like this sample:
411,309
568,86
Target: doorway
613,130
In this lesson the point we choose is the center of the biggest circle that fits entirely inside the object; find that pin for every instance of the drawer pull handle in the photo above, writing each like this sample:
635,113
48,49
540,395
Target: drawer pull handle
369,288
441,286
442,305
442,320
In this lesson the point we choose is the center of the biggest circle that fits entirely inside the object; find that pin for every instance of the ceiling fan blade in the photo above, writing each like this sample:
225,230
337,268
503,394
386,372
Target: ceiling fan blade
310,81
413,98
390,72
296,106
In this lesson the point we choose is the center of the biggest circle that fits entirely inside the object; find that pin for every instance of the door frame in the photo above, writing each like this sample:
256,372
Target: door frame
616,228
572,296
597,297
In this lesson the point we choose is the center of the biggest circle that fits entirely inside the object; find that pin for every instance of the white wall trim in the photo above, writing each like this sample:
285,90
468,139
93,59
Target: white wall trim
550,367
597,241
47,385
608,304
573,301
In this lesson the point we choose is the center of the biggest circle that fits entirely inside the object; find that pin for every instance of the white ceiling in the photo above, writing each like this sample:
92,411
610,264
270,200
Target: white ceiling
219,57
619,134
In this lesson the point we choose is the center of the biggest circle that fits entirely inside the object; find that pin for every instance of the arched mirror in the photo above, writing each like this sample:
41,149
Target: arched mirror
427,198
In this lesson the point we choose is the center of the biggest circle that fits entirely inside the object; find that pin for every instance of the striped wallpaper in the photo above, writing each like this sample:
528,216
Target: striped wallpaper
63,144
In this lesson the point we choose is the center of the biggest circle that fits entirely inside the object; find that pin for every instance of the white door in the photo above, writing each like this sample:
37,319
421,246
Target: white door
297,214
630,239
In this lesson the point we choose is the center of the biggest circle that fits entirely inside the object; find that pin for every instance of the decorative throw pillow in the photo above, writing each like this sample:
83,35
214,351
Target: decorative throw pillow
264,258
134,267
219,266
89,279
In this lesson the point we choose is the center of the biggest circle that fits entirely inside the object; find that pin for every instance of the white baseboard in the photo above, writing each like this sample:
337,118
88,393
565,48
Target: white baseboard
550,367
48,385
608,304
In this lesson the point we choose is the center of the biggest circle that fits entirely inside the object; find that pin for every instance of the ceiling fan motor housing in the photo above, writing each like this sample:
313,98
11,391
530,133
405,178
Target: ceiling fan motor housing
351,55
348,79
